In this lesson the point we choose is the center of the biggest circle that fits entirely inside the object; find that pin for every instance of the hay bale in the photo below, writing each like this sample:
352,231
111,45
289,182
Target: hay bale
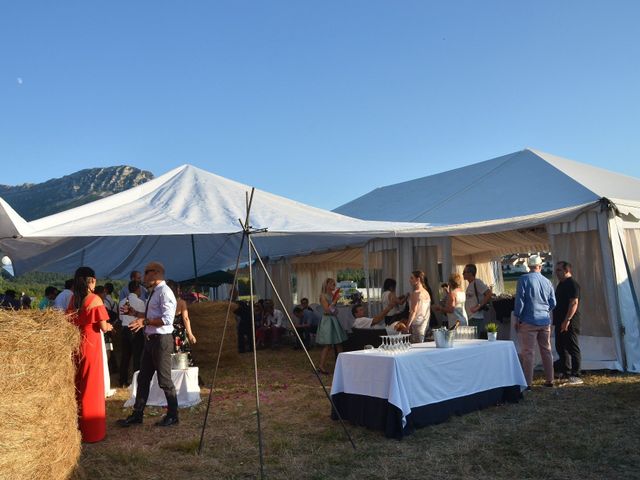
207,322
39,435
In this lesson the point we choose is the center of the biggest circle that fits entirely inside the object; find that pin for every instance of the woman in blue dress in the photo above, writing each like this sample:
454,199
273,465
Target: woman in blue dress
330,331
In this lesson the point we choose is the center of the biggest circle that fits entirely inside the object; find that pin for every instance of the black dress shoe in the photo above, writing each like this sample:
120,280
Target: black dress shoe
167,421
130,420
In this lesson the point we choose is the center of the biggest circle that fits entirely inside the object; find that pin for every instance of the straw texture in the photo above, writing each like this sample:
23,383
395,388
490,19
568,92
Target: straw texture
39,435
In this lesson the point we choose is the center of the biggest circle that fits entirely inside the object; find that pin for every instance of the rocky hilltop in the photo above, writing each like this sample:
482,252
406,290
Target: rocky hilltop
38,200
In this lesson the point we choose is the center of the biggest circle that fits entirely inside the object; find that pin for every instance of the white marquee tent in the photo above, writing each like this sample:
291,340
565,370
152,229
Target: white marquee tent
526,201
529,201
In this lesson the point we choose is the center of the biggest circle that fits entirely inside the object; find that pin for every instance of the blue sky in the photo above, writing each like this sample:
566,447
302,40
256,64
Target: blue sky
320,102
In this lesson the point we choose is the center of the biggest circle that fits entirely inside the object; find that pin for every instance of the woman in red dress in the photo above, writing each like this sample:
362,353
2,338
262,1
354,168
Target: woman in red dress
88,313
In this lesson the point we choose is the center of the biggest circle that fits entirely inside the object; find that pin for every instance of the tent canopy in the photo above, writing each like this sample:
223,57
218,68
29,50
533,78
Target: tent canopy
525,186
156,221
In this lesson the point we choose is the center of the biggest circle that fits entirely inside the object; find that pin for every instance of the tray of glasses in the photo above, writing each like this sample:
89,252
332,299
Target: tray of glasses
394,344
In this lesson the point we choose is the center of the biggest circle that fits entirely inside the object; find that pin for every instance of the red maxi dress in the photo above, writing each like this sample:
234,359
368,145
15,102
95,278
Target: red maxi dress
92,418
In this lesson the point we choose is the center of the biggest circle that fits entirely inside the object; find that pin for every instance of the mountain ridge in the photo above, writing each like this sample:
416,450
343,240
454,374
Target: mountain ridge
37,200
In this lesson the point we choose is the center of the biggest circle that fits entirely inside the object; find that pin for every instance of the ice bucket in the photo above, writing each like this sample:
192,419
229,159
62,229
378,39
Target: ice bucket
179,361
444,337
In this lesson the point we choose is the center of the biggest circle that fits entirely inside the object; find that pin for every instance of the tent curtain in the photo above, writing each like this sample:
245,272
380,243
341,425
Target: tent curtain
346,258
382,265
632,255
582,250
261,288
281,276
487,247
426,259
486,271
309,278
627,301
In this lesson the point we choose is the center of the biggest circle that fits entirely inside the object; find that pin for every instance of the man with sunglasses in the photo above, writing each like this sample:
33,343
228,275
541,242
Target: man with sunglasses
157,321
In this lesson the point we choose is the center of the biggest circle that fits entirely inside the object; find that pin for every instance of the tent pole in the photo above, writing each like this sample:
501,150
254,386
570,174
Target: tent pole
246,231
255,360
365,252
195,266
224,330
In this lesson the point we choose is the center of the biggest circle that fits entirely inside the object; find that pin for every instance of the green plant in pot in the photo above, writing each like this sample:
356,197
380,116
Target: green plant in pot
492,331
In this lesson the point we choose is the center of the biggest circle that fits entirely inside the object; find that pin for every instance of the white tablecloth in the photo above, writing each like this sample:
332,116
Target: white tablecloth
185,381
426,374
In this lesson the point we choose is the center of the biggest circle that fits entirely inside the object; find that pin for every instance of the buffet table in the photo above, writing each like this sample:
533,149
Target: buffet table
185,381
425,385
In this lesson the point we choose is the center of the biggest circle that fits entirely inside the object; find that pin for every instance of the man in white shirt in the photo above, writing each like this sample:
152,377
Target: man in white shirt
275,321
124,292
64,297
478,296
157,322
131,343
366,322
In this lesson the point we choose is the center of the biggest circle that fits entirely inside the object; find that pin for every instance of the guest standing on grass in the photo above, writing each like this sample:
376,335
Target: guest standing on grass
566,319
389,299
87,312
534,302
131,342
478,296
157,322
183,336
454,302
420,310
330,331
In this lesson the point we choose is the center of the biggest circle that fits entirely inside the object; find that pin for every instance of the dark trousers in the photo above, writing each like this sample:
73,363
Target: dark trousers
131,345
305,333
156,358
245,337
568,350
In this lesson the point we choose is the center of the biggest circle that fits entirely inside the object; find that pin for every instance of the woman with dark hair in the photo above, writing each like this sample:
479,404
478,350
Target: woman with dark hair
389,299
182,334
87,312
420,307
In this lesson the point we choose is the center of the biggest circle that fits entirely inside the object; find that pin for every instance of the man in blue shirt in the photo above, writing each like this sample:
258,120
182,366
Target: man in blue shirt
534,301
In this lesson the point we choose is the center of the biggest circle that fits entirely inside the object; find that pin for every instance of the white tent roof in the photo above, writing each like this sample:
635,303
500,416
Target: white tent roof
11,224
524,187
155,221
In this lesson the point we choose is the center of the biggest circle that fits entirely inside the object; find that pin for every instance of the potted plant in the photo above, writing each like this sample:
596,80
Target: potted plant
492,332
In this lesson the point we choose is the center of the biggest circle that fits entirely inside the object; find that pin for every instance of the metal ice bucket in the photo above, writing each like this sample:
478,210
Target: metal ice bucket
179,361
444,337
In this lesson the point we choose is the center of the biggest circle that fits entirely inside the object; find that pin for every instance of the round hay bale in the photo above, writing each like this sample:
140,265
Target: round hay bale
39,435
207,322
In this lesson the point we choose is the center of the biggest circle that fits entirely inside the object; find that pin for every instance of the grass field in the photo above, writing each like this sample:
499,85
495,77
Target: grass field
586,432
